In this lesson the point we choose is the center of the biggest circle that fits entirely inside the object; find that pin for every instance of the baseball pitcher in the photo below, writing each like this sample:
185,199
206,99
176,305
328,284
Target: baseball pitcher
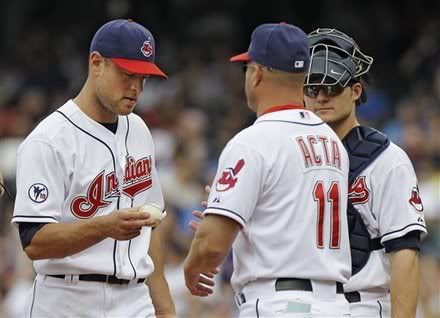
82,175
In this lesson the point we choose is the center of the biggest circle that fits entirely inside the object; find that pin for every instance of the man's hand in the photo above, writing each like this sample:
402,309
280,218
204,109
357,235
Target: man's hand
126,224
194,225
199,284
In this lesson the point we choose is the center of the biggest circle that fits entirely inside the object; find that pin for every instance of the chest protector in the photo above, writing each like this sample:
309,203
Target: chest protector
364,145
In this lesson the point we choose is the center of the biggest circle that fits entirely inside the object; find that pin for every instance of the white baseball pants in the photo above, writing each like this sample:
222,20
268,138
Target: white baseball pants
372,305
262,301
55,297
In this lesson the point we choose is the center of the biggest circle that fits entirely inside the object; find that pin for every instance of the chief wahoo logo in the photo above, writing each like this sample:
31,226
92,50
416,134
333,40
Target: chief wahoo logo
415,199
229,177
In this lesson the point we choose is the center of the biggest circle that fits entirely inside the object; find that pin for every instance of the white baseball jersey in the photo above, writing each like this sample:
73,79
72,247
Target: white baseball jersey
70,168
386,195
284,181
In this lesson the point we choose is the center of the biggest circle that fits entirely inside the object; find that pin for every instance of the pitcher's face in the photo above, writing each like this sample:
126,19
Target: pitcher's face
119,90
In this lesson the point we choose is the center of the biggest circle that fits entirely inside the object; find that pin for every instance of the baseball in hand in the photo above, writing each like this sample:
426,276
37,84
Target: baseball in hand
152,209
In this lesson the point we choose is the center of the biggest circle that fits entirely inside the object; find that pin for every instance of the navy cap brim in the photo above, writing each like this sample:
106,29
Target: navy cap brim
138,67
244,57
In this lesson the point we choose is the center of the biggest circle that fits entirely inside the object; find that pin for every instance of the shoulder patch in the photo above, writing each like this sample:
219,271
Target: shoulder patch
229,178
415,200
38,192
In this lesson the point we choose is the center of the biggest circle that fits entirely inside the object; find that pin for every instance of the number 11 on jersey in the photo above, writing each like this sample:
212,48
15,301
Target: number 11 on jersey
332,198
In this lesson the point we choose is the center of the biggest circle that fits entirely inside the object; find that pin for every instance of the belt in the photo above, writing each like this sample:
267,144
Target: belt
300,284
109,279
284,284
366,295
353,297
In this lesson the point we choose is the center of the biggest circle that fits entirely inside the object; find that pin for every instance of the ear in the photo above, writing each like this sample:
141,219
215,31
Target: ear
96,63
257,76
356,91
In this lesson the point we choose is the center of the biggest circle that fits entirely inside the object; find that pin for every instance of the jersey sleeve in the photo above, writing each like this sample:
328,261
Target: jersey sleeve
238,183
399,204
40,184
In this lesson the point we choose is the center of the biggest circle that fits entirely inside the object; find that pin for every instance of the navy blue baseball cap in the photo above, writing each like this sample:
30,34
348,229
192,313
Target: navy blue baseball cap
281,46
129,45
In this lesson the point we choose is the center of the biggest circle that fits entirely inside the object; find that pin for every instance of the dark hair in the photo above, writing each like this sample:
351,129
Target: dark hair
365,81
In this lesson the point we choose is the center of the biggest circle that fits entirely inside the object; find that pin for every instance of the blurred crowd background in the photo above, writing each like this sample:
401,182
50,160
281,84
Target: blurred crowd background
44,51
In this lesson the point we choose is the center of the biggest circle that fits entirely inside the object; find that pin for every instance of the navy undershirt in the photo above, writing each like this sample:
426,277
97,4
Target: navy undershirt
410,240
111,126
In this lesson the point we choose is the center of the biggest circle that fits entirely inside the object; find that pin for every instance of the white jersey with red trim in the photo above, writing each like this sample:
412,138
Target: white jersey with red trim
70,168
285,181
386,195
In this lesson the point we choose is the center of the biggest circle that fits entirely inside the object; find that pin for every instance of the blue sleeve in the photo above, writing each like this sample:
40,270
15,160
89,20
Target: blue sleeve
27,232
410,240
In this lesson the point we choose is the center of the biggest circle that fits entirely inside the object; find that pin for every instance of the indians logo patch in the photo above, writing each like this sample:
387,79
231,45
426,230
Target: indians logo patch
147,48
358,191
415,200
38,192
229,178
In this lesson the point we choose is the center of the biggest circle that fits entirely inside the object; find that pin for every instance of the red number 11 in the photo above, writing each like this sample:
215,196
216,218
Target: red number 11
319,196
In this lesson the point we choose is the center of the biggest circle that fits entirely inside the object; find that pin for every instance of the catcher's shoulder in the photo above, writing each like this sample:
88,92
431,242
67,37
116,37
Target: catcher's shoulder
392,157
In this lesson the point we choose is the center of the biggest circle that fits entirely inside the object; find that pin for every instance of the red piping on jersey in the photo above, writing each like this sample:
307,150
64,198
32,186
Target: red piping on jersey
281,107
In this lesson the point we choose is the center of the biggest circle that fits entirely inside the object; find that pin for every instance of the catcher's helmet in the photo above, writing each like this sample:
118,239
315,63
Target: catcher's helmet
335,58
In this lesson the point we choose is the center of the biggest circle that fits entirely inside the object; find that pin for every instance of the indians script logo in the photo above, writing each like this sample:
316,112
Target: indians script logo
229,177
38,192
415,199
358,192
137,178
147,48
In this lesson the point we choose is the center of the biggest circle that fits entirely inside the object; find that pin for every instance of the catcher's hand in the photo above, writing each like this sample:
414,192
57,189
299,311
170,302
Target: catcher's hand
194,224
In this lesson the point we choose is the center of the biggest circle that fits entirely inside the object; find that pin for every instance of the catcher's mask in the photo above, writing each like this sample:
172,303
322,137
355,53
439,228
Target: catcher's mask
335,59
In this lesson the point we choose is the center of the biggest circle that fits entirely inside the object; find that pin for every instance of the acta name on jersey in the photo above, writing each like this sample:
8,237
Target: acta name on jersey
319,150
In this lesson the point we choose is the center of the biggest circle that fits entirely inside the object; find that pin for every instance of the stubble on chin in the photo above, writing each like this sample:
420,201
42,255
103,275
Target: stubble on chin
337,120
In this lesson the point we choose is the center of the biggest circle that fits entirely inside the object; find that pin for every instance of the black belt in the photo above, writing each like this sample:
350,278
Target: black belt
300,284
283,284
109,279
353,297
